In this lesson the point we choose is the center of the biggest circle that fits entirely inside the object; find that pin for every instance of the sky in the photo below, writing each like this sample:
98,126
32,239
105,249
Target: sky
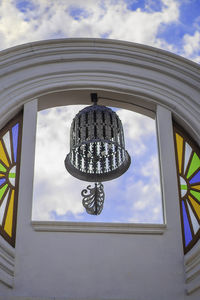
172,25
134,197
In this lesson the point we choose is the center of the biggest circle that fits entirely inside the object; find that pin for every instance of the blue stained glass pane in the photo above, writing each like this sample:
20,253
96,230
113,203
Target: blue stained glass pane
2,180
187,231
15,131
196,178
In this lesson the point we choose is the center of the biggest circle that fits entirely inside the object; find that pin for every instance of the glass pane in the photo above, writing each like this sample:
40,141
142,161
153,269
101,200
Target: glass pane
195,194
194,221
15,140
188,151
179,143
195,205
195,178
187,231
3,156
195,164
2,208
6,140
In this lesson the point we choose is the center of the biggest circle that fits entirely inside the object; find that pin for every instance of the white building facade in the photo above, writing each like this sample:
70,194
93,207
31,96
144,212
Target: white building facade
66,260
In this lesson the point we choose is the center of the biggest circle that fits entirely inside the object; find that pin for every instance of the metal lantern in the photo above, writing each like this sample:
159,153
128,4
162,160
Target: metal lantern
97,151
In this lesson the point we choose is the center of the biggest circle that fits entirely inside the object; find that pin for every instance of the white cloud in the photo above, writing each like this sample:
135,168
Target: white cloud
54,188
45,19
191,46
138,128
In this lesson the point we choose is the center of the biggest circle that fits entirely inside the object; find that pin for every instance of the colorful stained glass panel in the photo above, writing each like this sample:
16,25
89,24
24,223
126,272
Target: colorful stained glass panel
195,206
6,139
188,171
3,207
195,194
195,223
187,229
15,140
195,178
194,165
179,143
10,148
188,151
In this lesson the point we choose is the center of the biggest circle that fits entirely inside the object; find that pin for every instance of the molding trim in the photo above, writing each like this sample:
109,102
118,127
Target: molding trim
192,269
7,257
126,228
130,72
55,298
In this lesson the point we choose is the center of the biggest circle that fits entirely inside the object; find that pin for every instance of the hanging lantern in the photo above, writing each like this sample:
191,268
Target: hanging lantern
97,151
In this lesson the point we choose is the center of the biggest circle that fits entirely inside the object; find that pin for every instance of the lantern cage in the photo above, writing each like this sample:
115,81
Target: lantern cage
97,147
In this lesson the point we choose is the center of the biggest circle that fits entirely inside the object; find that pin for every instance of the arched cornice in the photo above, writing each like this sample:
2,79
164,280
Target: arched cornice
70,68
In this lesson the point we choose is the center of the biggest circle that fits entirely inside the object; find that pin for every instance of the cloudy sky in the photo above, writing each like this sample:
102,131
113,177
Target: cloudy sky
133,197
173,25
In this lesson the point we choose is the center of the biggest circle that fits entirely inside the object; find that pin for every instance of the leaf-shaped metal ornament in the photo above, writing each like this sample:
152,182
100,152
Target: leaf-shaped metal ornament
93,199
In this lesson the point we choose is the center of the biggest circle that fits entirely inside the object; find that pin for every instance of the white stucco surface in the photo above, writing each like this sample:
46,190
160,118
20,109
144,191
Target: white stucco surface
61,264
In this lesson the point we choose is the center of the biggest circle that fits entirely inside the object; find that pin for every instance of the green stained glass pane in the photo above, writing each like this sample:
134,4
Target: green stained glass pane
2,168
184,187
12,175
195,164
195,194
2,190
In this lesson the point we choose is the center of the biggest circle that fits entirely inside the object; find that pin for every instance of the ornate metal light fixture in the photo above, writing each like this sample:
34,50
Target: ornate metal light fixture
97,151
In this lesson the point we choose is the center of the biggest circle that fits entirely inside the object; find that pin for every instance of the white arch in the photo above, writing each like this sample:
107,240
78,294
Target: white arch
130,73
137,77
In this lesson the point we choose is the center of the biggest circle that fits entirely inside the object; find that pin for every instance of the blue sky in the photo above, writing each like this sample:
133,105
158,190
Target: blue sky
172,25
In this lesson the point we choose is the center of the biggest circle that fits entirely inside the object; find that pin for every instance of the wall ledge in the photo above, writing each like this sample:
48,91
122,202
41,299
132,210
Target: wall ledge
126,228
7,263
192,269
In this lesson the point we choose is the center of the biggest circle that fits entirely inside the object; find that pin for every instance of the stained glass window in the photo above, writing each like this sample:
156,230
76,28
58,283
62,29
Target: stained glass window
188,170
10,147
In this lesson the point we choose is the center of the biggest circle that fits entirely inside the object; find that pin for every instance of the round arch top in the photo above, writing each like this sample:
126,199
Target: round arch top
66,71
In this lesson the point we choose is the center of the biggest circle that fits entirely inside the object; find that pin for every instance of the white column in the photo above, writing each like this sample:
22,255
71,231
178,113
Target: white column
169,174
26,180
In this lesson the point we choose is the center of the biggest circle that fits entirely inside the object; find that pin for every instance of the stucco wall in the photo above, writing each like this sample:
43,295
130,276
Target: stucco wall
52,261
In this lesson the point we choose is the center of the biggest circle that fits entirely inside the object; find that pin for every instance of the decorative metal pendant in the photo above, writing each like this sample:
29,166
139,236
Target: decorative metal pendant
93,202
97,150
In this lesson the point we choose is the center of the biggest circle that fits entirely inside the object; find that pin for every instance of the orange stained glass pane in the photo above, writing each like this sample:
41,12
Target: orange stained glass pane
195,205
3,155
179,143
9,217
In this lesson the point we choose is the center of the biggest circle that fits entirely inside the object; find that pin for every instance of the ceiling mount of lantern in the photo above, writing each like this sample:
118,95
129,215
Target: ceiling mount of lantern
97,151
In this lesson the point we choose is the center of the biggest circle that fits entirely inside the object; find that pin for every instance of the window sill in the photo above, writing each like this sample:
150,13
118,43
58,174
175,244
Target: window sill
127,228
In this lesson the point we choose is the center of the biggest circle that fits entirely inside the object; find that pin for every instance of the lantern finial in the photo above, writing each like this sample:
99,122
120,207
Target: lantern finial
94,98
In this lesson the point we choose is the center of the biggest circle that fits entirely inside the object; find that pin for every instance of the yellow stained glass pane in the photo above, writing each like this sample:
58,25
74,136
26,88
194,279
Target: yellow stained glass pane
179,143
195,205
197,187
9,217
3,155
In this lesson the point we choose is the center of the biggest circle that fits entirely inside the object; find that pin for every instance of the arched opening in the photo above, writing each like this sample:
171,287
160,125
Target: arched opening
135,197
